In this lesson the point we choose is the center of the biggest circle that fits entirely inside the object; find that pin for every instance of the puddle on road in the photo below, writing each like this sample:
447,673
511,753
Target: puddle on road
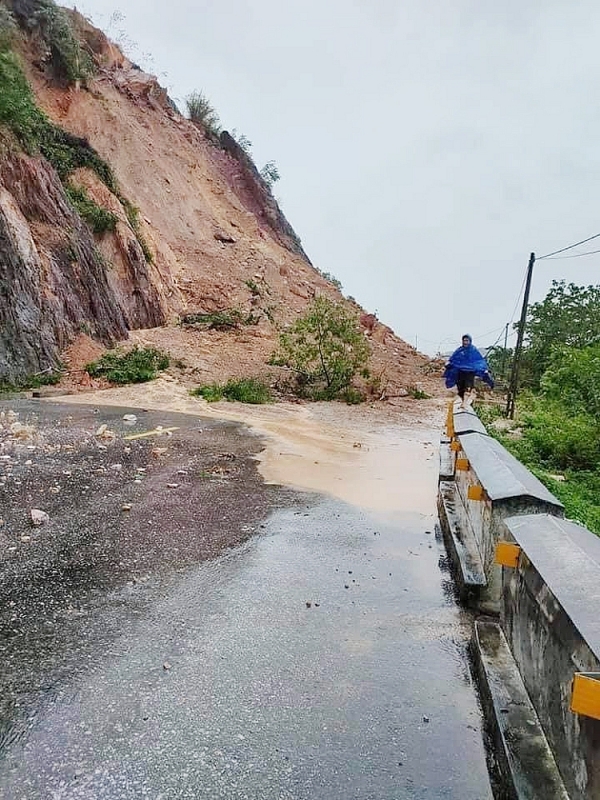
376,459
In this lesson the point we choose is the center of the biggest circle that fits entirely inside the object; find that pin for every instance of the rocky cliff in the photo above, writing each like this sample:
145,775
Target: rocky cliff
118,216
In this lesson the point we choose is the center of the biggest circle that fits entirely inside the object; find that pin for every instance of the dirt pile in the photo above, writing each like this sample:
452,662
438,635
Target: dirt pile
194,229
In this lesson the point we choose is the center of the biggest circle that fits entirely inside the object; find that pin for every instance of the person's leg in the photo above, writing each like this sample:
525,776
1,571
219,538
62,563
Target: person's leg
461,385
469,389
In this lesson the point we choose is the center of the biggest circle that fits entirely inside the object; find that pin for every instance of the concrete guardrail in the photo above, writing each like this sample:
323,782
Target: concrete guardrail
537,656
481,484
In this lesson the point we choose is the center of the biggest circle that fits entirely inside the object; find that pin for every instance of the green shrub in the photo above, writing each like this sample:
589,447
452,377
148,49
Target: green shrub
331,278
253,286
245,390
217,320
573,378
37,134
352,396
201,111
416,393
49,377
243,141
136,366
325,348
211,392
99,219
69,61
270,174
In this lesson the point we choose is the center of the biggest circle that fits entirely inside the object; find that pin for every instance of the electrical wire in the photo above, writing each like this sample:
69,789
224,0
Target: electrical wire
570,247
575,255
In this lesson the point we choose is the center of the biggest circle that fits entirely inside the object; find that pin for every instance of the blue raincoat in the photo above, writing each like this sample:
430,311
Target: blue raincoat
467,359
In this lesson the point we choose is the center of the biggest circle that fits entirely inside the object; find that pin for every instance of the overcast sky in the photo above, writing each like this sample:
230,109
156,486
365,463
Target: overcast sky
425,147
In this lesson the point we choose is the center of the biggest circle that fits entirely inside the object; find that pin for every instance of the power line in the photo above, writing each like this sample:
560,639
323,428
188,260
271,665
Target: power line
575,255
570,247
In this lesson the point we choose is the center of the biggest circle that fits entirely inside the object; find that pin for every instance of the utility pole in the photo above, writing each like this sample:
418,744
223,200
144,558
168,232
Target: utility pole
504,353
514,375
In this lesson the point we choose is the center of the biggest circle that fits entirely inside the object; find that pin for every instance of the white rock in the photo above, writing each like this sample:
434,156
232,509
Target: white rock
130,417
39,517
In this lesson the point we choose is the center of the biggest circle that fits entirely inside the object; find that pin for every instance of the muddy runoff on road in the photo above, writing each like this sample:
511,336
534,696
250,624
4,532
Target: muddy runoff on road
374,457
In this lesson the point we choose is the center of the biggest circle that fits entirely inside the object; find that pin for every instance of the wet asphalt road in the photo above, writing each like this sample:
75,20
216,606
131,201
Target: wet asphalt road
174,676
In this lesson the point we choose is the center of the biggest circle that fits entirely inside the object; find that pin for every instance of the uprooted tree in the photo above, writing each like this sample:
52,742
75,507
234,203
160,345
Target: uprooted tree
325,349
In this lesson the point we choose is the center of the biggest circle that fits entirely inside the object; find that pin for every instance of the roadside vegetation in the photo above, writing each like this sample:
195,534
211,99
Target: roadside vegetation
49,377
246,390
138,365
556,431
325,350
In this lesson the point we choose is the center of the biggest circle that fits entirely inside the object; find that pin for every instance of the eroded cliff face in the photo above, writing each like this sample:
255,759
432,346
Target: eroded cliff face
196,230
53,282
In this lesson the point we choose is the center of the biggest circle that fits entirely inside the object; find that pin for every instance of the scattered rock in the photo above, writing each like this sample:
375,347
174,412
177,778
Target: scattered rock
425,719
308,604
130,418
39,517
166,666
126,507
116,467
25,538
172,485
157,452
103,432
21,431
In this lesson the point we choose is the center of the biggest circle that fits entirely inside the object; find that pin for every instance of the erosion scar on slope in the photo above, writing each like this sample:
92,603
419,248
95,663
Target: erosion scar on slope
368,457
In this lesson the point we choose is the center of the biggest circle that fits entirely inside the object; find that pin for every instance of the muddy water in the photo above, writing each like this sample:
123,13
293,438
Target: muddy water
369,458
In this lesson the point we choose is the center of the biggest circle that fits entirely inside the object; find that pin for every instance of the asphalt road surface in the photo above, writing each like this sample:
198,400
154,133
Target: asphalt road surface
177,629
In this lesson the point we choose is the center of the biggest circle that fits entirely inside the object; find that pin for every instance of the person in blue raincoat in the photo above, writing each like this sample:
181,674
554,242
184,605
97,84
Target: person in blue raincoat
464,365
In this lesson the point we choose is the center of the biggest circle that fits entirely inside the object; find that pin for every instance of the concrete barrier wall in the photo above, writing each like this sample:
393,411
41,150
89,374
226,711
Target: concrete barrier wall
545,628
489,485
551,618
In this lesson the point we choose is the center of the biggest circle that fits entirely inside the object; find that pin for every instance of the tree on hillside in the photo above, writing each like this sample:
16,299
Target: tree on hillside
568,315
325,348
270,174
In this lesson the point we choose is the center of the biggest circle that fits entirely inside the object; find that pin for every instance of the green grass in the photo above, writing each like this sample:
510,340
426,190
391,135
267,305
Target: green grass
246,390
37,134
547,444
136,366
99,219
